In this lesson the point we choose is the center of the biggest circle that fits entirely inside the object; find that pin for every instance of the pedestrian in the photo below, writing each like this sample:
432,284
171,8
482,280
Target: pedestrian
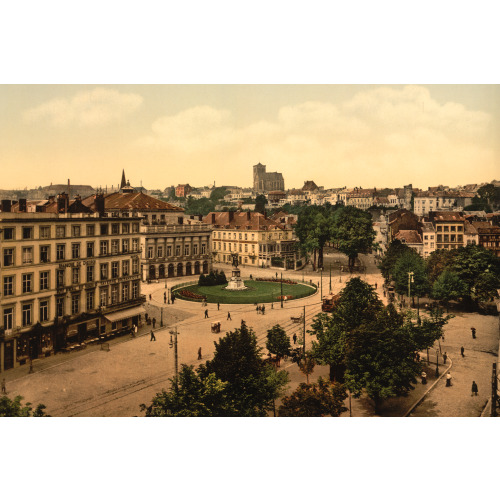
199,353
149,296
146,317
229,316
448,379
152,336
173,298
376,286
154,322
4,388
424,378
462,350
134,331
272,305
474,389
206,313
445,357
263,309
258,309
294,338
218,306
276,275
473,330
385,293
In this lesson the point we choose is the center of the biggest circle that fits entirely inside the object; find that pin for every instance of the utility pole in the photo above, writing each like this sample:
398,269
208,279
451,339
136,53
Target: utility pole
410,281
281,291
304,328
321,283
494,391
174,345
330,278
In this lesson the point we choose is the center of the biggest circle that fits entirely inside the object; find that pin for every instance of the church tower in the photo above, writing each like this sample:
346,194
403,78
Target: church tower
123,181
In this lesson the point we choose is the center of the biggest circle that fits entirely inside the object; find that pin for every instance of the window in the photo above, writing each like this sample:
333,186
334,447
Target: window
27,233
27,255
26,314
8,256
8,318
104,271
75,303
125,267
44,280
135,245
60,306
104,229
104,247
125,228
44,253
224,245
159,252
177,250
135,227
90,230
114,294
8,233
114,269
240,247
75,250
75,275
115,246
246,248
75,231
115,228
60,277
195,249
27,283
90,273
61,251
135,290
44,310
60,231
90,249
90,300
125,246
240,236
44,232
103,296
246,236
150,252
125,292
135,266
8,285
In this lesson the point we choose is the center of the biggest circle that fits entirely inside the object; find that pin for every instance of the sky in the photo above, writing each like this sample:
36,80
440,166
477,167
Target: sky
335,135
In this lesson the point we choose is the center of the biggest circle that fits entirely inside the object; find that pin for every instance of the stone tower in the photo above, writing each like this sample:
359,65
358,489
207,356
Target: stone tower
259,172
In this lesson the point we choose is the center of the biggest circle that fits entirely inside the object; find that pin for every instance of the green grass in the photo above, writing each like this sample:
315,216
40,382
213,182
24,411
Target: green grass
257,292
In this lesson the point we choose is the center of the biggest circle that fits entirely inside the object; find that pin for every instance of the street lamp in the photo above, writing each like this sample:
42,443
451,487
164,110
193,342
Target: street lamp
321,284
410,281
281,290
174,345
330,278
161,316
437,363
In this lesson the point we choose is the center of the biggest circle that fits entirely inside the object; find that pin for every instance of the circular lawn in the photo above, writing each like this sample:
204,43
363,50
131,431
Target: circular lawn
256,291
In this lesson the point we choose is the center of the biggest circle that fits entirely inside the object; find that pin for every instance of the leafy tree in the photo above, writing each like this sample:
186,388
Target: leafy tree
217,194
437,262
278,342
395,250
260,203
448,287
352,232
191,395
253,385
490,193
14,408
479,204
306,365
410,262
314,400
201,206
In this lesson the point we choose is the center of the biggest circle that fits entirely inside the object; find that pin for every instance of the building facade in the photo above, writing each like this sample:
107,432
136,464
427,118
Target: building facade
450,229
267,181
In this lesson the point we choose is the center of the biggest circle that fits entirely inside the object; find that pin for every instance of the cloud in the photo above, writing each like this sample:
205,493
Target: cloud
381,136
85,109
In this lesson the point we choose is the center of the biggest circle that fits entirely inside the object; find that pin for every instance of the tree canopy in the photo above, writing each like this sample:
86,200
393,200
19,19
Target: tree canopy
260,203
15,408
278,342
410,261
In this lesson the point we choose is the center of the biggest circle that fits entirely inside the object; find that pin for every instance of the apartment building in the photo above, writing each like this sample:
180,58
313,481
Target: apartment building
258,240
450,229
66,276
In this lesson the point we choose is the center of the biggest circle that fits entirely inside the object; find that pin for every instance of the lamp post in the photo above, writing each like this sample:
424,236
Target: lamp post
321,283
174,345
168,296
410,281
281,283
161,316
330,278
437,363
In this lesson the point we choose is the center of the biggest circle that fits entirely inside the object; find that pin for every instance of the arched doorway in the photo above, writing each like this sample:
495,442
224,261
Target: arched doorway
152,272
171,271
161,271
179,269
188,269
196,267
205,267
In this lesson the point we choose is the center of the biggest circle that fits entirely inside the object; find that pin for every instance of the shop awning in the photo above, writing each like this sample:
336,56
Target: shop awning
125,313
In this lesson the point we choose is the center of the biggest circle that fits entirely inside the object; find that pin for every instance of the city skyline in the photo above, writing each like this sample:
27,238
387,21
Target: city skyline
353,135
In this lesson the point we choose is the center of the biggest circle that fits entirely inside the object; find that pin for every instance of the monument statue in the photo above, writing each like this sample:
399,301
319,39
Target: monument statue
235,283
234,256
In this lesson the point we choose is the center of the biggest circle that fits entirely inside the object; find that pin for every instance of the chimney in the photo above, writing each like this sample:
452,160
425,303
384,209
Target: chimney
22,205
62,203
213,218
99,204
6,205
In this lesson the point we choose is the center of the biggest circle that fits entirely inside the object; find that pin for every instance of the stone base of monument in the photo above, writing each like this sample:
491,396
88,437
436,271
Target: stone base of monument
236,283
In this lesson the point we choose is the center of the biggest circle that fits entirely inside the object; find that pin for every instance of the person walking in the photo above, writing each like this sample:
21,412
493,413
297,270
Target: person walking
376,286
474,388
445,357
294,338
173,298
448,379
276,275
164,297
199,353
462,350
154,322
152,336
263,309
218,306
229,316
149,296
206,313
4,387
424,378
473,330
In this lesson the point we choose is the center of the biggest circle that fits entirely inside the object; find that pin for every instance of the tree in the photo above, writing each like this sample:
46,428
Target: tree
352,232
437,262
306,365
448,287
253,385
314,400
14,408
217,194
412,262
395,250
202,206
278,342
260,203
191,395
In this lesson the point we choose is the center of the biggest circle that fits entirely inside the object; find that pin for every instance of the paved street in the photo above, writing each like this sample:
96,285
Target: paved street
100,383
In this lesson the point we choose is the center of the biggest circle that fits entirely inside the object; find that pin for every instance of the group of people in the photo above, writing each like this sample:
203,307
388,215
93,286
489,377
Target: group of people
261,309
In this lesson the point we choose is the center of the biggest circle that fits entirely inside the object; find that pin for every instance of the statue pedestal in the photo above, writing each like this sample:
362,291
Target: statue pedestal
236,283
